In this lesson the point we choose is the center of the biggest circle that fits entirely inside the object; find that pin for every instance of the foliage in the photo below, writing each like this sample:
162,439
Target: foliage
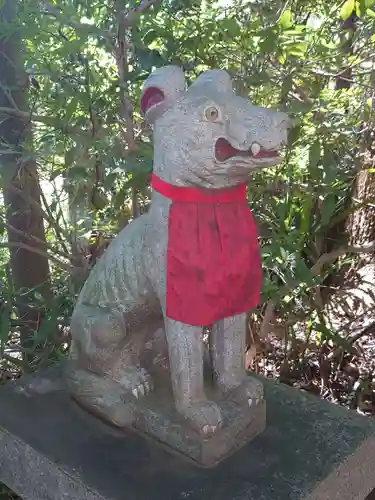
85,67
86,61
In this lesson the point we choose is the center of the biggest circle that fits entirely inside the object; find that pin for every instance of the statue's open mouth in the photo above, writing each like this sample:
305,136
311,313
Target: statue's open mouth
224,151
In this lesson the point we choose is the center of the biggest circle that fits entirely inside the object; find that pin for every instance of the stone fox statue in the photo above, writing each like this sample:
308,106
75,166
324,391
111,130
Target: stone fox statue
191,261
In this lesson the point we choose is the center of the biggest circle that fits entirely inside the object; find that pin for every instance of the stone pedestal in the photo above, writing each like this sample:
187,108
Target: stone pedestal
153,414
157,418
51,449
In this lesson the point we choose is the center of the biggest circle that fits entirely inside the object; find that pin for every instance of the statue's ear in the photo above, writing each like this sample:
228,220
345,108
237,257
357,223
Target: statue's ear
160,91
216,79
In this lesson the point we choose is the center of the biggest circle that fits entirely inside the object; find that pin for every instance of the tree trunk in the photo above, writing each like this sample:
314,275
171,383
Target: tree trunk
361,225
21,186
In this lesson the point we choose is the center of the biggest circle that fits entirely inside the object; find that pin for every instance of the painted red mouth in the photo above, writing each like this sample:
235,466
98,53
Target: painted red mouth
224,150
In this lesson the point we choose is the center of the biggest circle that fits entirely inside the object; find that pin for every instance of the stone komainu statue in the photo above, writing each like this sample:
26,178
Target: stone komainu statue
191,261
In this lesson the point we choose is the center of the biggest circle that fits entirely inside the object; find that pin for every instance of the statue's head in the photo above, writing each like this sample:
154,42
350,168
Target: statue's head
206,135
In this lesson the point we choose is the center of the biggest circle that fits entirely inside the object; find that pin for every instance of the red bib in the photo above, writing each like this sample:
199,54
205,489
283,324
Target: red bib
213,260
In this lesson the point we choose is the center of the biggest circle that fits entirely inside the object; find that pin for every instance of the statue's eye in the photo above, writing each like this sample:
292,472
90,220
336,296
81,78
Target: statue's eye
211,114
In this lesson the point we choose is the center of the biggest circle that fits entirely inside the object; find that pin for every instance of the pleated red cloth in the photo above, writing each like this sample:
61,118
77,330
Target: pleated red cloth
213,259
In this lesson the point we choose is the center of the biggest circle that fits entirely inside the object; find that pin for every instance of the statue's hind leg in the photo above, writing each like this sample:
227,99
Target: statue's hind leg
104,374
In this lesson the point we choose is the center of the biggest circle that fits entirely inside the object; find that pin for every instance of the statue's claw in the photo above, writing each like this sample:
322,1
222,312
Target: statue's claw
138,381
257,401
142,389
249,390
204,416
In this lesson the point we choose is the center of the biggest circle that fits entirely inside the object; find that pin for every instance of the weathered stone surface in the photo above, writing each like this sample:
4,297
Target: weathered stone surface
155,413
51,449
157,417
192,261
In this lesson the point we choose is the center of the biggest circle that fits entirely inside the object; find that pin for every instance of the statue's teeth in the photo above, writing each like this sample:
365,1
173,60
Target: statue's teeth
255,148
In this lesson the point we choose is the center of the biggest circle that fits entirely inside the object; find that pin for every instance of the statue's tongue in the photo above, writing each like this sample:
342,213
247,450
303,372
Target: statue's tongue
224,150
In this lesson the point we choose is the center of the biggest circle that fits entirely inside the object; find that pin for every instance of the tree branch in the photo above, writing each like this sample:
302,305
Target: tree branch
327,258
132,15
46,120
129,19
33,238
89,28
8,95
24,115
124,21
55,225
37,250
38,207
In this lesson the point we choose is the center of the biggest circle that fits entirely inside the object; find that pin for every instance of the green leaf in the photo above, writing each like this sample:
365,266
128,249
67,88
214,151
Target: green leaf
294,135
149,37
78,172
328,208
300,107
231,25
314,154
347,9
286,20
69,157
110,180
71,108
303,273
269,42
149,58
287,85
296,49
360,7
258,78
306,216
119,199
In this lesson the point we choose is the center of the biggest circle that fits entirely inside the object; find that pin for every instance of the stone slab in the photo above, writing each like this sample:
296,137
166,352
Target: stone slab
51,449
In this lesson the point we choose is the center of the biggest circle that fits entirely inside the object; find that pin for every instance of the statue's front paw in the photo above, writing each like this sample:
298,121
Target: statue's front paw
204,416
249,391
253,390
137,381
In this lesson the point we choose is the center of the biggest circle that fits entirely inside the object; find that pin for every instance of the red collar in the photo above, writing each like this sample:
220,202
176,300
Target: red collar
198,195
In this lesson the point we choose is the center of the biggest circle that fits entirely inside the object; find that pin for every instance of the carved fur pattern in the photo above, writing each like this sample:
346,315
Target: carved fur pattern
207,137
